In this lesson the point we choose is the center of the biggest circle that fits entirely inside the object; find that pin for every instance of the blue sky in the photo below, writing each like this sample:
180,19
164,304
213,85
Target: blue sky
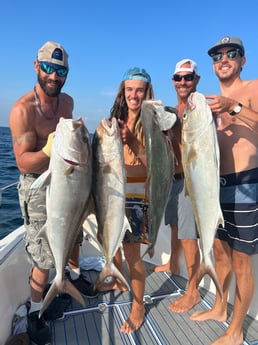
105,38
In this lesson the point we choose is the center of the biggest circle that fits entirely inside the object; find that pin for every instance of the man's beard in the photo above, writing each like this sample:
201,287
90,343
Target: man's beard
51,92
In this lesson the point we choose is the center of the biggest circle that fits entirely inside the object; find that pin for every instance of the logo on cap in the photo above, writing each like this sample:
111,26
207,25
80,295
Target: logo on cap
225,39
57,54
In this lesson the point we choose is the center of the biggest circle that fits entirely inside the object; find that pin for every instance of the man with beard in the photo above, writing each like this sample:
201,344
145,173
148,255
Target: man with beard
33,120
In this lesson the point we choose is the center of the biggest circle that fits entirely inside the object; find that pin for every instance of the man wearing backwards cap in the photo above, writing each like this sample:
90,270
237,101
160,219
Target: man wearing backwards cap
33,120
134,88
178,213
237,111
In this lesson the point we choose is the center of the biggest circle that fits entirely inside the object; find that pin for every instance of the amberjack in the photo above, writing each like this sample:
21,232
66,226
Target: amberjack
201,164
160,163
109,194
68,181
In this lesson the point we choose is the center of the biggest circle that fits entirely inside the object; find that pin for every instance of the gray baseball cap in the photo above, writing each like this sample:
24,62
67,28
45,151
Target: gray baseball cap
228,41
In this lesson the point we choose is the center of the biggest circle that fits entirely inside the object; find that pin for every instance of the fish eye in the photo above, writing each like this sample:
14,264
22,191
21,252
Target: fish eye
85,139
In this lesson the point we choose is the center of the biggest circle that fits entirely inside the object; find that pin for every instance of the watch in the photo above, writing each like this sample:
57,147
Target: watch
237,109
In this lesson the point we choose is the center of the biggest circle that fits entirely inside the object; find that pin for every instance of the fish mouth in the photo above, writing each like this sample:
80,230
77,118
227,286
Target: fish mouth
109,125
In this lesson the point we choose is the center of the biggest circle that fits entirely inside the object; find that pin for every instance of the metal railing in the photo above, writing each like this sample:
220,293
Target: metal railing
4,188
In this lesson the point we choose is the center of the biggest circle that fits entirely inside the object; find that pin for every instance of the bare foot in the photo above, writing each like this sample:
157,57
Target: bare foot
114,284
211,314
230,339
166,268
134,321
185,303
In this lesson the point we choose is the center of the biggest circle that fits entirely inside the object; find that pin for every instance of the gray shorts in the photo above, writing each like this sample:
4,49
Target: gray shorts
179,212
33,208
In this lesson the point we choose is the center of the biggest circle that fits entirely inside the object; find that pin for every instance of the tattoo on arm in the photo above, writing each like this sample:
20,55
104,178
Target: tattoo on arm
19,140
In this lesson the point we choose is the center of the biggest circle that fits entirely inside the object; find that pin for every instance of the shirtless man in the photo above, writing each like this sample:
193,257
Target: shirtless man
179,212
236,110
33,120
135,87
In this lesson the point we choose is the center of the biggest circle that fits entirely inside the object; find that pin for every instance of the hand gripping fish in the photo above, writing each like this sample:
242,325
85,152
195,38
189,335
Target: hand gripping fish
68,182
109,194
160,164
201,163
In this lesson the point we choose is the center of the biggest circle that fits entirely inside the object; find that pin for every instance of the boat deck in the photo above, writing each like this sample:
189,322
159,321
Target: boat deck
100,321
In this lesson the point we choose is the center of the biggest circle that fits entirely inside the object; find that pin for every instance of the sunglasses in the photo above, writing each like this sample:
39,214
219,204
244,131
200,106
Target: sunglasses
49,69
231,54
187,77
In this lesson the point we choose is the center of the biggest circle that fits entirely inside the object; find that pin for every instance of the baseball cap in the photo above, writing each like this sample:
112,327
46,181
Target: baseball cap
137,73
53,53
192,68
228,41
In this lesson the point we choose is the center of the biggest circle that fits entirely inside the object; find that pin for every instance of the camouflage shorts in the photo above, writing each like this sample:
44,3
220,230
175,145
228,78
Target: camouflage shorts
33,208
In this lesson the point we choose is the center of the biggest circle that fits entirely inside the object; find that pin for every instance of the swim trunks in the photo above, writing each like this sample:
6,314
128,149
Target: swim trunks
239,204
136,209
179,212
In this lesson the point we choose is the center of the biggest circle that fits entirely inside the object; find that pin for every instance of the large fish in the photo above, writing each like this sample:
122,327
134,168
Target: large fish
109,194
68,183
160,164
201,162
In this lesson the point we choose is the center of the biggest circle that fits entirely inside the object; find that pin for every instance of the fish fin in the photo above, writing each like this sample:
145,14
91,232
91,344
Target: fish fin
221,219
208,268
126,225
42,233
42,181
110,270
150,251
91,209
64,287
69,171
100,237
186,190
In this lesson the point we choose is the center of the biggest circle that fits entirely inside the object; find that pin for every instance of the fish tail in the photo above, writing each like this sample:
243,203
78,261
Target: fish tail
64,287
110,270
208,268
51,294
70,289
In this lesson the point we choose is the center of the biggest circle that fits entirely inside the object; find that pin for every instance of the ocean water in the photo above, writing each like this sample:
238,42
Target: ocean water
10,214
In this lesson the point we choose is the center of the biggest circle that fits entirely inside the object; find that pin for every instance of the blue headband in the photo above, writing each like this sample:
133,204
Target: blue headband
137,73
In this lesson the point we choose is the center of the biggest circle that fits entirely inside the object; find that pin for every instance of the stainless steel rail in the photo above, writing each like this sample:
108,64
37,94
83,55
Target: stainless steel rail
4,188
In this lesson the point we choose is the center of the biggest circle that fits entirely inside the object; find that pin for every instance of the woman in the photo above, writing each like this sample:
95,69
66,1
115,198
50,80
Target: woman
133,90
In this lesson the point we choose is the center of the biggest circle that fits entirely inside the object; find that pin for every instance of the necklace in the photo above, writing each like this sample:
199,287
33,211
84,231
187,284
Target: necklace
38,104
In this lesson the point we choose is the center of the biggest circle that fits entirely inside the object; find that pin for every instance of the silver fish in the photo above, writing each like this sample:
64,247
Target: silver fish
201,162
160,164
109,194
68,182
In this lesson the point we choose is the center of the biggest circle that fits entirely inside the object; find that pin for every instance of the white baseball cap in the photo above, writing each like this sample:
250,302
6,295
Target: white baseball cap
191,69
